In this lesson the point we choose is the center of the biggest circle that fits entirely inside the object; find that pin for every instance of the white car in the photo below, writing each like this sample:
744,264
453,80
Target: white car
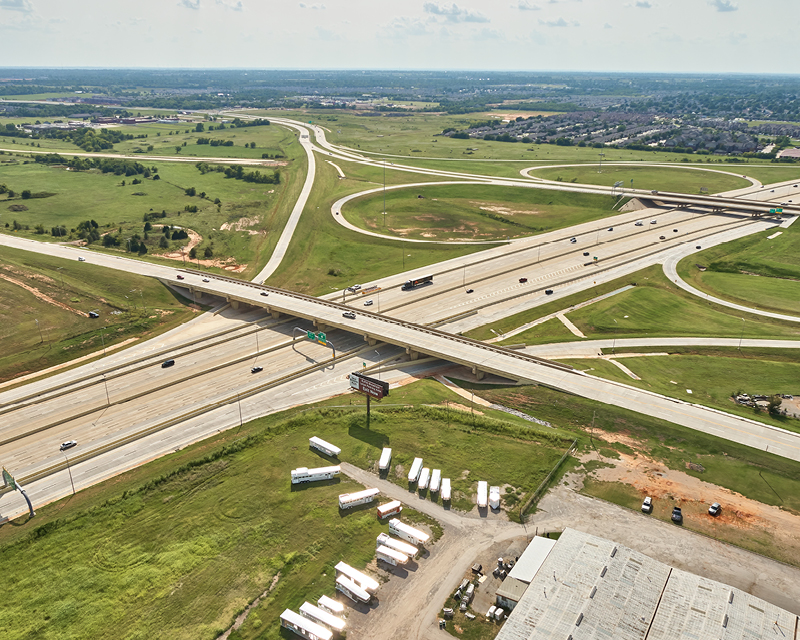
68,445
81,259
653,221
368,303
647,505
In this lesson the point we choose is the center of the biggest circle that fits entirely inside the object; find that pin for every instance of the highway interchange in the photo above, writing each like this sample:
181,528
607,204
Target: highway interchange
124,409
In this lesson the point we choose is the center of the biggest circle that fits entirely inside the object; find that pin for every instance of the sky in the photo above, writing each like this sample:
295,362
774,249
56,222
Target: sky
679,36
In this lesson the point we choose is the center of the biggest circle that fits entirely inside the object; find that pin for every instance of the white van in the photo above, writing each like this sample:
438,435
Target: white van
639,223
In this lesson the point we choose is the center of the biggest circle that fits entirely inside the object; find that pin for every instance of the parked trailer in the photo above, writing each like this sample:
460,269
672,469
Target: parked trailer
389,509
498,613
410,534
304,474
424,478
482,491
490,612
349,500
416,467
445,493
386,459
362,579
494,497
398,545
330,605
304,627
391,556
352,590
436,480
326,447
327,620
469,593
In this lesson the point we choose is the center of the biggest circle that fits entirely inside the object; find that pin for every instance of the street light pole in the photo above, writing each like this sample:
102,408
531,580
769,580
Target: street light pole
61,273
614,343
41,338
105,383
741,336
70,472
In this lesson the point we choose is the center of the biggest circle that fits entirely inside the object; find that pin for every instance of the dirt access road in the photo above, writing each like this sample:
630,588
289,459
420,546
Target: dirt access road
410,602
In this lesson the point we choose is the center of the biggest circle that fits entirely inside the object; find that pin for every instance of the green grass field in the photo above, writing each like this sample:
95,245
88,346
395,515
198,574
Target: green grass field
60,335
661,178
711,379
474,212
176,548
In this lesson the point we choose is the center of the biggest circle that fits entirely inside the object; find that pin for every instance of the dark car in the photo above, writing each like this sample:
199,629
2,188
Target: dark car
548,292
206,280
523,280
68,445
167,363
698,247
677,516
715,509
256,369
675,231
94,314
586,253
662,237
264,293
470,290
180,277
611,228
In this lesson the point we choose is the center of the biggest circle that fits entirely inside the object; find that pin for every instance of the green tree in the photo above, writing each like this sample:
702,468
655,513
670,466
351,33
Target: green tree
199,127
163,242
193,253
208,252
147,226
26,194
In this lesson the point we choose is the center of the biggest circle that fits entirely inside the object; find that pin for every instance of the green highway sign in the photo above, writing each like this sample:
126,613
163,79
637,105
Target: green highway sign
779,210
9,480
321,337
311,335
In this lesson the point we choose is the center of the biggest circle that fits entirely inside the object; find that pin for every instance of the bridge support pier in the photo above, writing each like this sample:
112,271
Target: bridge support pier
370,341
275,314
320,326
478,373
413,355
234,303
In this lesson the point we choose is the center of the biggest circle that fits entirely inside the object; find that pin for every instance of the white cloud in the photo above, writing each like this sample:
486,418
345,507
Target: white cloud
453,13
189,4
554,23
643,4
402,27
607,26
24,6
524,5
233,5
723,5
314,7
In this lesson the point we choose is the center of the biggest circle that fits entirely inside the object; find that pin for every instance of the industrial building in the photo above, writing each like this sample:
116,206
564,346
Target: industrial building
585,587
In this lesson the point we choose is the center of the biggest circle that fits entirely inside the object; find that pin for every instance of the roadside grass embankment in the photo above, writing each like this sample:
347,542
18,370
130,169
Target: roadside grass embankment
46,300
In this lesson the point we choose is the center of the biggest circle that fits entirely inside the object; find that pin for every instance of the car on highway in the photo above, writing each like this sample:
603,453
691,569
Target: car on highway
548,292
638,223
470,290
369,303
715,509
264,293
647,505
206,280
256,369
94,314
523,280
674,231
653,221
180,277
349,314
81,259
611,228
586,253
662,237
68,445
698,247
677,516
167,363
573,240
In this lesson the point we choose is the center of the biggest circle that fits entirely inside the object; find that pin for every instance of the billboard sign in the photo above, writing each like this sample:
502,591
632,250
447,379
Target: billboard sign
371,386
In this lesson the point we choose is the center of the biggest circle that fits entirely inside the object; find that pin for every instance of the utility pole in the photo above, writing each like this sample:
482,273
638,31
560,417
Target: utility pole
41,338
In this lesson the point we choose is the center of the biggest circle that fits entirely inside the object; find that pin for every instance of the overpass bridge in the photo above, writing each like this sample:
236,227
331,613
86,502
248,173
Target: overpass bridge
716,203
484,358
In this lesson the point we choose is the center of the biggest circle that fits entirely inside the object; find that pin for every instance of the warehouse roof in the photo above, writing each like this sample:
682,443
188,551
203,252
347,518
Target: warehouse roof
531,559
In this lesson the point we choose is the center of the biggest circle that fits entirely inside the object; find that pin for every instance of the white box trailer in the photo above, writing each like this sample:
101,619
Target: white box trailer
304,474
362,579
326,447
330,605
398,545
416,467
483,490
494,497
352,590
490,612
436,480
445,493
350,500
304,627
498,613
386,459
412,535
321,617
424,478
391,556
389,509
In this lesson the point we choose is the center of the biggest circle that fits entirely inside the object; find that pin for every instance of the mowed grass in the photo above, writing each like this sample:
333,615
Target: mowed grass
177,547
130,306
662,178
711,379
754,271
658,308
474,212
